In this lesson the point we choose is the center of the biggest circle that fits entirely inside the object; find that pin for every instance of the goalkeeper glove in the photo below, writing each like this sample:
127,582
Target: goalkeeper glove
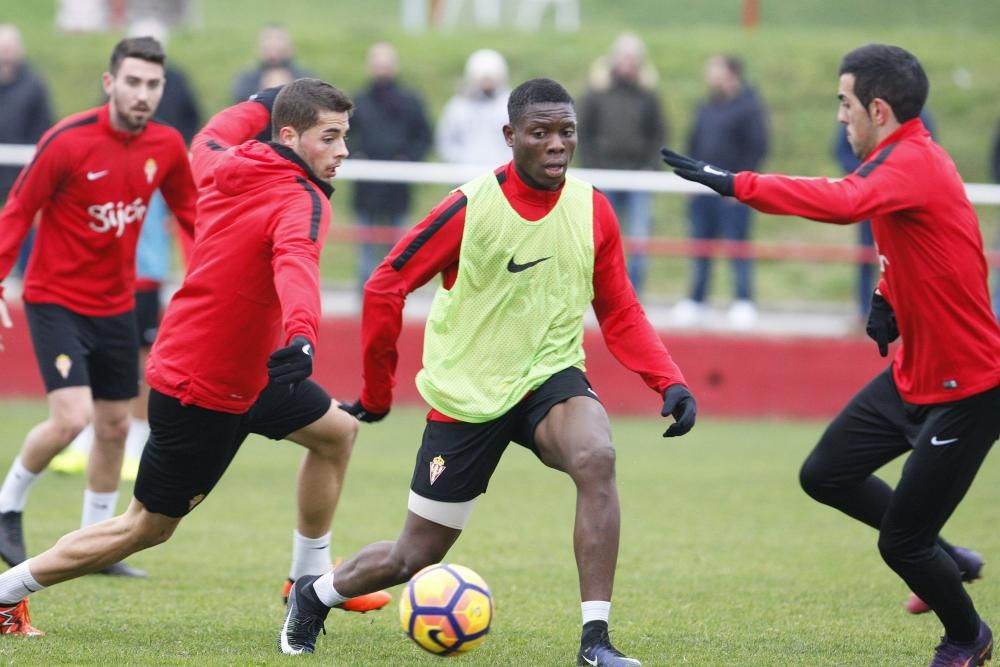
678,401
720,180
881,326
291,364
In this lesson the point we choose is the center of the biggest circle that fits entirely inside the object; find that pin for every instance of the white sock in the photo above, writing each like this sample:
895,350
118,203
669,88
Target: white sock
14,493
595,610
17,584
98,506
325,591
135,441
84,439
310,555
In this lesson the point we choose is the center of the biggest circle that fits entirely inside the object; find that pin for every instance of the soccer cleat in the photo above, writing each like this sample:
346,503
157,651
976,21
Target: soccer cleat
12,538
360,604
970,565
600,653
122,569
16,621
968,654
303,620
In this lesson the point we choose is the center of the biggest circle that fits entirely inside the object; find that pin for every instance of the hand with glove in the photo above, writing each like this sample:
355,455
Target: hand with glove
679,402
291,364
881,326
720,180
361,413
266,96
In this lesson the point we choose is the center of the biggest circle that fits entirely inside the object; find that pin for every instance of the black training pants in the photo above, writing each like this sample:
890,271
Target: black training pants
947,444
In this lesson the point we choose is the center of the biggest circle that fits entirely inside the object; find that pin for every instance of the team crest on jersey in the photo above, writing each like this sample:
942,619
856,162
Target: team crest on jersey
437,467
150,170
63,363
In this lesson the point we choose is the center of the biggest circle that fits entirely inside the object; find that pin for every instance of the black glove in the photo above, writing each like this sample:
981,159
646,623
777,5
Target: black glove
679,402
266,97
714,177
293,363
881,326
361,413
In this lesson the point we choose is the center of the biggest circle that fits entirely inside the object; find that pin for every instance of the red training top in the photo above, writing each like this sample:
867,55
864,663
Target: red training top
930,249
92,184
253,279
433,246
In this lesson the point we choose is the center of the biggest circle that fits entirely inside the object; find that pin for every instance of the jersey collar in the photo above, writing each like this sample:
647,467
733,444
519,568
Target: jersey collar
521,190
291,156
911,128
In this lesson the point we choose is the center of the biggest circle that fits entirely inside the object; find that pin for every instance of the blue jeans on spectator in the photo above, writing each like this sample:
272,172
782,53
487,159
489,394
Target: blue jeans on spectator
25,253
370,255
715,217
634,211
866,270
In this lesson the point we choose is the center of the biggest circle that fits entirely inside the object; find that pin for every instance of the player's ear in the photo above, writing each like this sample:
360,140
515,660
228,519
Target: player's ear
508,134
107,79
287,136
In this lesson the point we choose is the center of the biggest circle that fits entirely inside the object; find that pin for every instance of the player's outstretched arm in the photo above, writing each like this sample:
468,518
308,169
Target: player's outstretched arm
720,180
358,410
679,402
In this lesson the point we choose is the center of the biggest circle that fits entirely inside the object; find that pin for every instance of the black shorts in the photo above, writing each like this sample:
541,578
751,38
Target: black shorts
77,351
457,459
147,315
190,447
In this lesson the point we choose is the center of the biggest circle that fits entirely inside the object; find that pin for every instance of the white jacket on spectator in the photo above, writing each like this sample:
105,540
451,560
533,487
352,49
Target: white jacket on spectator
470,129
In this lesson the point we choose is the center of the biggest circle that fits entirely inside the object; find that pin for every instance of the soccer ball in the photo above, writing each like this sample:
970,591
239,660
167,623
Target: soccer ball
446,609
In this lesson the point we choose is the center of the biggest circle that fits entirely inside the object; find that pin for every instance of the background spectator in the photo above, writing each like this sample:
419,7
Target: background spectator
27,112
620,122
389,123
730,131
866,270
274,49
470,129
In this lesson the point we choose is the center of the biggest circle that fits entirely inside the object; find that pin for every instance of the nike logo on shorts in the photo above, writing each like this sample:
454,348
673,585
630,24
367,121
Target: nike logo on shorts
938,443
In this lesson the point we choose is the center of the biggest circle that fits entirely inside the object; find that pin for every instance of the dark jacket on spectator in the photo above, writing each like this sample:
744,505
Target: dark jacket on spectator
26,115
247,82
388,123
731,132
178,106
621,127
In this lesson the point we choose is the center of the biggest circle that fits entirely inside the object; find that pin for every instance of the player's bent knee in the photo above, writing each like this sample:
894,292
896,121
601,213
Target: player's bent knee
597,460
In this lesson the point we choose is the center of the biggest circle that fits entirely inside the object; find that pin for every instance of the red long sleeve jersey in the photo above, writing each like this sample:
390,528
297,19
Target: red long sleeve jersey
92,184
931,252
433,247
253,279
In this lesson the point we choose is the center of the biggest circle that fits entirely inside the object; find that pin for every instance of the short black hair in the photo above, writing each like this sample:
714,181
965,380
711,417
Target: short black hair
535,91
300,102
143,48
890,73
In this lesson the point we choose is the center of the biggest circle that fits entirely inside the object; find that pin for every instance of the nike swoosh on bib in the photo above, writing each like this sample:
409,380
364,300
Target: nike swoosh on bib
514,267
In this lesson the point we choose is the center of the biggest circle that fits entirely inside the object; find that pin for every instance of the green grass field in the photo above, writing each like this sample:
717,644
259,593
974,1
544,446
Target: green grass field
724,561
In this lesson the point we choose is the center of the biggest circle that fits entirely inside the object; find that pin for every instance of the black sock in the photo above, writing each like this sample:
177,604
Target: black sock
593,631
